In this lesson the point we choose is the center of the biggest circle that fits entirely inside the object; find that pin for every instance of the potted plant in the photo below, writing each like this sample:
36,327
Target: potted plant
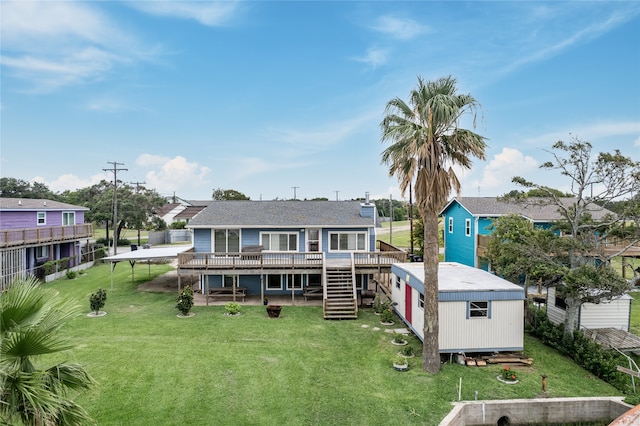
399,339
265,301
232,309
185,302
273,311
97,301
400,363
386,317
508,376
407,351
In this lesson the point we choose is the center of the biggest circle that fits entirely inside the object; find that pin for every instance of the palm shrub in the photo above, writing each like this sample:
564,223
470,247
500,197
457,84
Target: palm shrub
97,300
185,301
33,394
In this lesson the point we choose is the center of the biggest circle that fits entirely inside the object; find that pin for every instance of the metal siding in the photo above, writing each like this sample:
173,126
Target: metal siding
555,315
503,331
614,314
202,240
459,247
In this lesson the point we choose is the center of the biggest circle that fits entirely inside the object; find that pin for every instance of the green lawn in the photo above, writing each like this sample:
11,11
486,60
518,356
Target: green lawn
154,368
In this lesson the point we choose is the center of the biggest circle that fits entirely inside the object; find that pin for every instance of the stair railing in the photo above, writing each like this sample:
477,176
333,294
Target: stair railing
353,283
324,282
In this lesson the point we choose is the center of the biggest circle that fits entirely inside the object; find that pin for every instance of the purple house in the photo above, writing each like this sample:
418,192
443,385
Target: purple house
35,231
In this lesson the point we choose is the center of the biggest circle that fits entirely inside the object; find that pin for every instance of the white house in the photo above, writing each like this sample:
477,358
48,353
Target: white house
615,313
478,311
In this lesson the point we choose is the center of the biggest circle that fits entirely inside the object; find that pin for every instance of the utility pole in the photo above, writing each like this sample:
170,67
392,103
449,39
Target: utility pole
294,191
390,221
410,219
115,171
137,184
337,192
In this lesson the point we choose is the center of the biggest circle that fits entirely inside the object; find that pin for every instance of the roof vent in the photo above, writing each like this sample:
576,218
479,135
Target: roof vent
45,203
366,198
19,202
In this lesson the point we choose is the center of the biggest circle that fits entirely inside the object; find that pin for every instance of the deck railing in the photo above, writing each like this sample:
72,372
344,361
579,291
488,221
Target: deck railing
44,234
205,260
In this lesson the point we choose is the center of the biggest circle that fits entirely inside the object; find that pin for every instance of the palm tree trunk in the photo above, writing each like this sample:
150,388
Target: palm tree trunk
430,348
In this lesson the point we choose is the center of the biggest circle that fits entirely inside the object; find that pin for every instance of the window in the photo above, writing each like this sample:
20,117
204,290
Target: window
467,227
561,303
42,251
314,280
68,218
42,218
421,301
451,225
277,241
274,282
294,281
359,281
313,240
226,241
478,309
347,241
397,282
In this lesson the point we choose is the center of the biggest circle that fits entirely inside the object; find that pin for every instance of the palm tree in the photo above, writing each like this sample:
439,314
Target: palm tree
425,145
30,318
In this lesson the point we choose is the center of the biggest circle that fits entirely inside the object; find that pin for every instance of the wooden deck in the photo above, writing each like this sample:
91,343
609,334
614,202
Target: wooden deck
614,338
44,234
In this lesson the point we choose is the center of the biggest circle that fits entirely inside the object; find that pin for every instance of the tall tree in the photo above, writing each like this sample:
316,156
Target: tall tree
595,184
30,318
220,194
425,144
18,188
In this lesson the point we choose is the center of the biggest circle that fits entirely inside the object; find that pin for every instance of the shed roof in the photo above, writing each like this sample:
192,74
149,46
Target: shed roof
535,208
36,204
281,214
455,277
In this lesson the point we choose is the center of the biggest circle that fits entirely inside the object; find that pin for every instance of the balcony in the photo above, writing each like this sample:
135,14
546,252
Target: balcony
280,262
609,246
44,235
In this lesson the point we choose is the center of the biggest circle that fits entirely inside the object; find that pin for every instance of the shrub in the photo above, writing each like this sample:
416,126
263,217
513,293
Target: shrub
407,350
97,300
63,263
185,301
49,267
71,274
399,338
178,225
232,308
387,315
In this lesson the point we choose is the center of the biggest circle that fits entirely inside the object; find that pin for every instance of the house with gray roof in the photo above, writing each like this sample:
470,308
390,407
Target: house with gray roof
467,222
323,249
36,231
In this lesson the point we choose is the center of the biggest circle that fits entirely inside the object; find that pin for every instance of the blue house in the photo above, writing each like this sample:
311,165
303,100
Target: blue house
467,221
323,249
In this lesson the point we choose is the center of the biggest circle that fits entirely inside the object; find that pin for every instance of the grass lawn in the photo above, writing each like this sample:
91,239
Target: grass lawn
154,368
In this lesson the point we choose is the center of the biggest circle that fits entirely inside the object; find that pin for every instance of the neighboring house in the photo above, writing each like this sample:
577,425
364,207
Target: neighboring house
467,222
34,231
168,212
187,214
478,311
324,249
615,313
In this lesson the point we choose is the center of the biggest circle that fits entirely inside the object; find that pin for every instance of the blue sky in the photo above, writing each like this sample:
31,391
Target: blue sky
265,96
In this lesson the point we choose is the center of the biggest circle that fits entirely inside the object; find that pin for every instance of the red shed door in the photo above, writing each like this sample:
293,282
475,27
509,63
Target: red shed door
407,302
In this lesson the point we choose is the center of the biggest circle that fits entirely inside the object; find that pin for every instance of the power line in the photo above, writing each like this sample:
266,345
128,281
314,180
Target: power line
115,171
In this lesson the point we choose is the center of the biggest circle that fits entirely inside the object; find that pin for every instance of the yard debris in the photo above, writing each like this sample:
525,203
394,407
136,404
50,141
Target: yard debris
506,358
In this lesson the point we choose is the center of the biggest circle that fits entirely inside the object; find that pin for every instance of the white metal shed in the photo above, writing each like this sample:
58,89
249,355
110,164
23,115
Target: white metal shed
478,311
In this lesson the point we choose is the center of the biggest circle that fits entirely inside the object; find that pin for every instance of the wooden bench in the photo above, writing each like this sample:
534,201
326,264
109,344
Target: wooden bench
227,293
312,292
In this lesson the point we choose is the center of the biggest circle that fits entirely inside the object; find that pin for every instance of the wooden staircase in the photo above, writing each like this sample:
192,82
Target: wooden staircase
339,299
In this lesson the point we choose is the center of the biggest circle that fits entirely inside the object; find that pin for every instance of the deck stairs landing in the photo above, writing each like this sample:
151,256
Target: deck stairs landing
340,301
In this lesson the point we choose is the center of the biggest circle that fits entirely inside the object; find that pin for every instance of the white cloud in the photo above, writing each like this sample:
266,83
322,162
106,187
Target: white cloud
637,142
71,182
54,44
374,57
504,166
209,13
399,28
173,174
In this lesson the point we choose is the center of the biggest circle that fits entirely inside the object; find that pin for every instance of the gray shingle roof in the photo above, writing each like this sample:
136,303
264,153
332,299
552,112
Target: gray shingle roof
492,207
254,214
36,204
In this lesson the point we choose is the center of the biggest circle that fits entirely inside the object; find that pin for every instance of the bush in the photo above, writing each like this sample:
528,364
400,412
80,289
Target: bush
232,308
63,263
585,352
178,225
97,300
71,274
185,301
387,316
121,242
49,267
